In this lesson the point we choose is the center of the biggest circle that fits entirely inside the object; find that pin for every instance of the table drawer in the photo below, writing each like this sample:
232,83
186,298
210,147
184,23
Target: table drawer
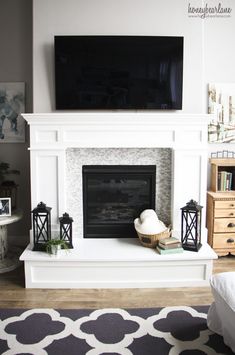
226,225
222,240
224,213
225,204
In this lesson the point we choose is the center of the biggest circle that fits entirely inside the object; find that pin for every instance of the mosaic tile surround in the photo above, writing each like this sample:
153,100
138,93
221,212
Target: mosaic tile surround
76,158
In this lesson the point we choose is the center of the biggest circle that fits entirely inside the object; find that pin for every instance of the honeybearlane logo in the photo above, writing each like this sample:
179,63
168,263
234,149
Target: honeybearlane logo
209,11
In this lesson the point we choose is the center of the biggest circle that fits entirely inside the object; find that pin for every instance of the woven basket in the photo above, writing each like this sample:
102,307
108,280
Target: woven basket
151,240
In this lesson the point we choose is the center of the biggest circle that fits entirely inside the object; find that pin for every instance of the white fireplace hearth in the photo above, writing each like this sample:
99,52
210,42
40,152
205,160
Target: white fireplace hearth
116,263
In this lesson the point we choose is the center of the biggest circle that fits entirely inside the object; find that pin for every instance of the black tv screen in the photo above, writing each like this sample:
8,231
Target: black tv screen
118,72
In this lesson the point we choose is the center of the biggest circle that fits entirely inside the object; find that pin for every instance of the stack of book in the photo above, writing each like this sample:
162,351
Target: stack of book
224,181
169,245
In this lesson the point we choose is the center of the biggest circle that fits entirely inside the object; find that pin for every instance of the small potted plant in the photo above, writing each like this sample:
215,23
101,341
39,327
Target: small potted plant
54,245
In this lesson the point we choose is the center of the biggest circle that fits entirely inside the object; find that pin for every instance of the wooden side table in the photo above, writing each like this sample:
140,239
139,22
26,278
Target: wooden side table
9,259
221,222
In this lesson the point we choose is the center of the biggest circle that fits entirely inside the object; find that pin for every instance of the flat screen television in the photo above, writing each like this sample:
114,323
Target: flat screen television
118,72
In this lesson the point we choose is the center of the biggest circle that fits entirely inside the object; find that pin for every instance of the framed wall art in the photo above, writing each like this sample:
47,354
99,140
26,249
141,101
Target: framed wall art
12,104
221,103
5,207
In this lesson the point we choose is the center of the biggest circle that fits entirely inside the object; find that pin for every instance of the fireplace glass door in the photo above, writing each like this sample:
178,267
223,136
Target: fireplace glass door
113,196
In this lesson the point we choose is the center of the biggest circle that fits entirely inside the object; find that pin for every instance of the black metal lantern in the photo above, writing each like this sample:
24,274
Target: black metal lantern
191,226
41,226
66,229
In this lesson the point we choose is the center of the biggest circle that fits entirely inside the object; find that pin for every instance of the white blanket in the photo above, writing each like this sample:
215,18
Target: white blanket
221,315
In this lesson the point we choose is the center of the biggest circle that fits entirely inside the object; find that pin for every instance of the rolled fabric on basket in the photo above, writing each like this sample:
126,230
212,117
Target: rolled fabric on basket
149,223
150,229
148,213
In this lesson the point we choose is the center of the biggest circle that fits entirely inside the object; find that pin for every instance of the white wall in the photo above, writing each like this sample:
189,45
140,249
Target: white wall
132,17
219,46
219,49
209,53
219,58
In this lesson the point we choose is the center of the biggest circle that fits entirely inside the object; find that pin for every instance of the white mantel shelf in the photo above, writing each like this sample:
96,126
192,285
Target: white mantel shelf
118,117
124,264
62,130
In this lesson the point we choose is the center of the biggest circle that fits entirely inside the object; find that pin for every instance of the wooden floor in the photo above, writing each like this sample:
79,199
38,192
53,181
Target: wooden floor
14,295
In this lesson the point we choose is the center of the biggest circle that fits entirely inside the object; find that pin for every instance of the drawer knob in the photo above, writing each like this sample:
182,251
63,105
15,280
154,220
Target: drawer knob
232,205
230,240
231,214
231,225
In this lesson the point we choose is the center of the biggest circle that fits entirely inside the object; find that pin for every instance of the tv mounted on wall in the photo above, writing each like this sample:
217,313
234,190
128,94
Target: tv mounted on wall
118,72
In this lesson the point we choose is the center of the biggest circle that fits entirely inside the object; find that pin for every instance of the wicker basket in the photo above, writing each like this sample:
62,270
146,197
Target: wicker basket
151,240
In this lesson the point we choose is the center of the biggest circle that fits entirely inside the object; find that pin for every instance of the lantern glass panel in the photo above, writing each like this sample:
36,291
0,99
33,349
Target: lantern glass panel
65,231
41,223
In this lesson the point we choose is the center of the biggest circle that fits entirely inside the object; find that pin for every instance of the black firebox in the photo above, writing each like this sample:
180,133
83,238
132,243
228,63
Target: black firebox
113,196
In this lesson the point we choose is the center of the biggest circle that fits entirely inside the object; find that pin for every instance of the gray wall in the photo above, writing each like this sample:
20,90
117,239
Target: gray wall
16,65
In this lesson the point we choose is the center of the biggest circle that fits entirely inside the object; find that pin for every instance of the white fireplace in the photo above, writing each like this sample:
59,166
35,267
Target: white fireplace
54,135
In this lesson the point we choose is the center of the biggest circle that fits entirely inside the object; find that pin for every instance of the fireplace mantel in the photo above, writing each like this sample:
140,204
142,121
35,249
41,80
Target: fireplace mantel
51,134
111,129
